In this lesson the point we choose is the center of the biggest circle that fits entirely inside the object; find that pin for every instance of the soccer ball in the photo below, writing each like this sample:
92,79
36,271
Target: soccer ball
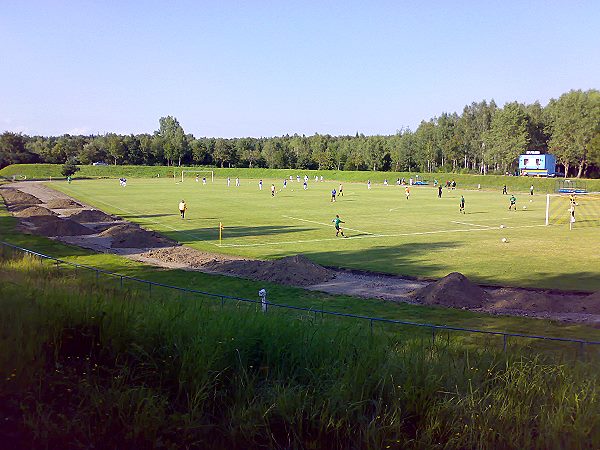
524,207
502,226
504,240
530,201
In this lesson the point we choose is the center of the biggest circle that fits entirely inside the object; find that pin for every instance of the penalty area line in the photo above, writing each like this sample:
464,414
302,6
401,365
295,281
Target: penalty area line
375,236
470,224
328,225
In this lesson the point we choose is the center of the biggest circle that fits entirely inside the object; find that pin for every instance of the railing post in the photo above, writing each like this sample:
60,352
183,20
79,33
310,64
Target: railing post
121,281
371,326
505,341
150,289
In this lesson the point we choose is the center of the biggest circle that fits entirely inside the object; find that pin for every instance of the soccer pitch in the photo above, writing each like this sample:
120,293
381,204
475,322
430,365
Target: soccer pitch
424,236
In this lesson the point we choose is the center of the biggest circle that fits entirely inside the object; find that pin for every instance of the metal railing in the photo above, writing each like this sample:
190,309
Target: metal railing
372,320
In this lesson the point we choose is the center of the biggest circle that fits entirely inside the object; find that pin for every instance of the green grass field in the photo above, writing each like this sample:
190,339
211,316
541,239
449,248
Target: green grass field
423,237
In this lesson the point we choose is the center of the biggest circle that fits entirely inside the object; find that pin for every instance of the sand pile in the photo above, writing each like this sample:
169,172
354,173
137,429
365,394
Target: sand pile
454,290
91,215
14,198
33,211
130,236
62,203
55,226
187,256
293,270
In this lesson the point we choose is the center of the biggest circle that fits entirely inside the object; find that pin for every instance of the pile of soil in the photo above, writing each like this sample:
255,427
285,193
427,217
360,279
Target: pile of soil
186,256
55,226
62,203
14,197
454,291
130,236
295,270
507,299
34,211
91,215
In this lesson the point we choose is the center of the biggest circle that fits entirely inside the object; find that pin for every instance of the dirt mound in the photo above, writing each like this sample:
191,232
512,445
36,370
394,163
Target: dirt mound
591,303
33,211
293,270
130,236
454,290
62,203
14,197
55,226
187,256
91,215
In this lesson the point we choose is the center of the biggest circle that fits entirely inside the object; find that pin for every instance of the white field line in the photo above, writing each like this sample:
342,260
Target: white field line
155,221
329,224
374,236
470,224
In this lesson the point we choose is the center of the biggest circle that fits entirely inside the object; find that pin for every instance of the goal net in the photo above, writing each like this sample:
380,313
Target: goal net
584,207
198,174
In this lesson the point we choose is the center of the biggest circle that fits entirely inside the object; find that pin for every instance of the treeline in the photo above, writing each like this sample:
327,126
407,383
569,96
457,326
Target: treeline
485,138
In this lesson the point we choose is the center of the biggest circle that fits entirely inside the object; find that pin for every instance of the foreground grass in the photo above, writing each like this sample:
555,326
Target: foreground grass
83,366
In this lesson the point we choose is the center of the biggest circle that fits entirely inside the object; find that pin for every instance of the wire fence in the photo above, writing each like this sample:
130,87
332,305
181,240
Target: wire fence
125,281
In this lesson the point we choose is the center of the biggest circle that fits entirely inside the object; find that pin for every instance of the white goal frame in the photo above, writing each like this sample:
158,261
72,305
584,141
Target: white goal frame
212,174
565,195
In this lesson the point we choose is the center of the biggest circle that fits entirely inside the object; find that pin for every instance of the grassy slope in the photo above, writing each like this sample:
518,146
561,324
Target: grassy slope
44,171
87,367
425,237
295,296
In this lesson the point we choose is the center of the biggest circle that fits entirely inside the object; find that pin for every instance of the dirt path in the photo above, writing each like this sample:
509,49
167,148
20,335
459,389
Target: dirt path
42,210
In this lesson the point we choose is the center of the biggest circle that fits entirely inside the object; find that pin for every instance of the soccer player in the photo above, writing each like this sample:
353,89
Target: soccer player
440,191
338,228
182,208
333,194
260,185
341,190
462,205
369,184
237,182
284,183
272,190
305,185
504,190
513,203
531,189
385,183
228,181
197,178
203,180
297,178
407,192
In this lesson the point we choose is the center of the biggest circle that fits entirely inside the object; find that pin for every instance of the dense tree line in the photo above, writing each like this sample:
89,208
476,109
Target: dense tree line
484,138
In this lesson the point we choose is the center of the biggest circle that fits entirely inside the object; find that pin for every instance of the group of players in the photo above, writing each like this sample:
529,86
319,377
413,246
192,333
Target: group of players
335,193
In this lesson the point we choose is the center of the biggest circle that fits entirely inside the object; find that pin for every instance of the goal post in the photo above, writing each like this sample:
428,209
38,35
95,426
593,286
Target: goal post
583,207
199,173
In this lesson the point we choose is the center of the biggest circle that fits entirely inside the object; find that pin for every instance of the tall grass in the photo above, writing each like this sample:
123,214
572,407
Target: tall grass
84,366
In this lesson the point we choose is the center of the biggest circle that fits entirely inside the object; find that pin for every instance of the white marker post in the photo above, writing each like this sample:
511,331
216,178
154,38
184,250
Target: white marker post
263,300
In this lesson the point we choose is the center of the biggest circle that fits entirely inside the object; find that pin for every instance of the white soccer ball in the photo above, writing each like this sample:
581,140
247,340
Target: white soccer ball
504,240
530,201
502,226
524,207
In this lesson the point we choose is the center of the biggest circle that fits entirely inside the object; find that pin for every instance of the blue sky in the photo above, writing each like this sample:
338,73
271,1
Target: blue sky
265,68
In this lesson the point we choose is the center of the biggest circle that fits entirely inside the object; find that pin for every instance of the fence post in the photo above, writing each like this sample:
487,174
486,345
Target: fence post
149,289
371,326
121,281
432,336
505,341
222,301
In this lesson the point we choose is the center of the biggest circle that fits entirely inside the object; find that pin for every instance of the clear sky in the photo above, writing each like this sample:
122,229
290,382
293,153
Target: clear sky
265,68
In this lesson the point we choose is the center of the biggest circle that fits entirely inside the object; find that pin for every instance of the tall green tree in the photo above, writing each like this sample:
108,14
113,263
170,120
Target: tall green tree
173,140
507,137
573,122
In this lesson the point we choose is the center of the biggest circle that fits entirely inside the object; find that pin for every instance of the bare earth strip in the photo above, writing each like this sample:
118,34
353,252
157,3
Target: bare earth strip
84,226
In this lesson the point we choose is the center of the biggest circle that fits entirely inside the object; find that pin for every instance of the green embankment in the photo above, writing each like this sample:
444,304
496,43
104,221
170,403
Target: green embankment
45,171
86,366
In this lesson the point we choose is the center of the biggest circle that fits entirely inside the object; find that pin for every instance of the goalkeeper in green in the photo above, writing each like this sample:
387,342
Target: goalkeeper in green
338,228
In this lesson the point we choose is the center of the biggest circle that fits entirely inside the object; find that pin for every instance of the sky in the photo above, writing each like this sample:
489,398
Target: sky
268,68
